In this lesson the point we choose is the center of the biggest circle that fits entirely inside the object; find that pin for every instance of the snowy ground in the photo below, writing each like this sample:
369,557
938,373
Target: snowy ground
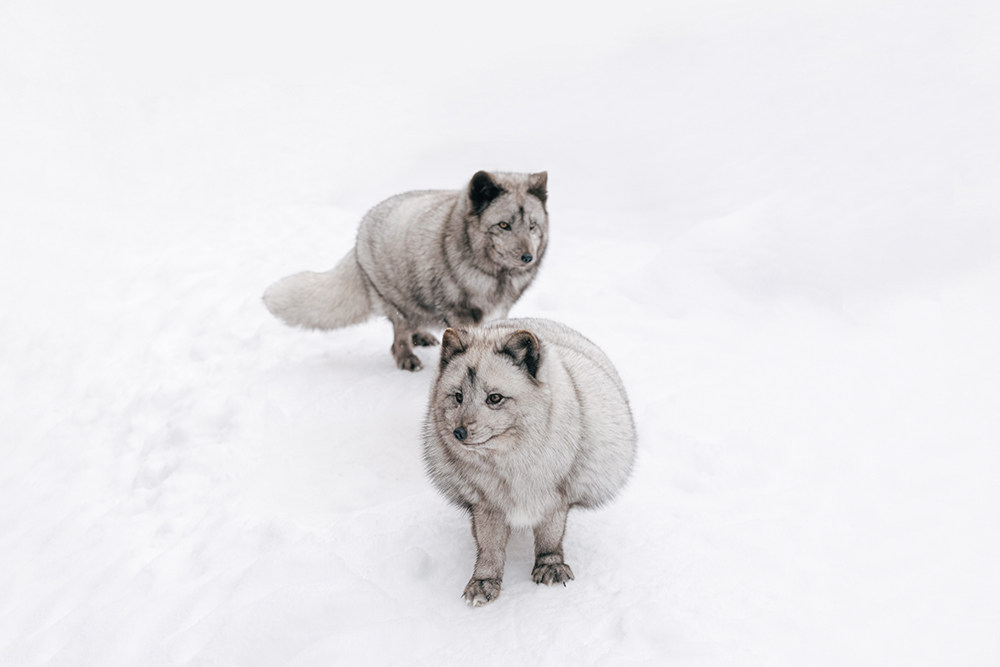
780,224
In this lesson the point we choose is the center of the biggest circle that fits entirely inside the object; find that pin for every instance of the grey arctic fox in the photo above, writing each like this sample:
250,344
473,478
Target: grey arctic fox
527,419
429,259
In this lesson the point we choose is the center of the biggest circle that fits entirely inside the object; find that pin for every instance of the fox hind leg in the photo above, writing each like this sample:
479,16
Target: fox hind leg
402,344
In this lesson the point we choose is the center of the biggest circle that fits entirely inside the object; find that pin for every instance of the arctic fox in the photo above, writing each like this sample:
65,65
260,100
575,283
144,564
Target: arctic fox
429,259
527,419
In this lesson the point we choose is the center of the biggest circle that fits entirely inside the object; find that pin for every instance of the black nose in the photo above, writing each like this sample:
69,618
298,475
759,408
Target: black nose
460,433
526,258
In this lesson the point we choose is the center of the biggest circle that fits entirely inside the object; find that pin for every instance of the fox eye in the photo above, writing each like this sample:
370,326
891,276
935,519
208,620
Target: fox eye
504,225
493,399
458,397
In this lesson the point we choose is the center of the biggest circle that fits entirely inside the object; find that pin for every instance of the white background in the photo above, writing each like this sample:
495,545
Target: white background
780,221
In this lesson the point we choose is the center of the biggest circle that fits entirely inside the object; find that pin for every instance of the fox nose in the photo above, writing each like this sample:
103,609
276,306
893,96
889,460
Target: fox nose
526,258
460,433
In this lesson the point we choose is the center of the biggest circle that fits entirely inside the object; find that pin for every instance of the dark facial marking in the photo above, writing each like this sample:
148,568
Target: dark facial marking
472,375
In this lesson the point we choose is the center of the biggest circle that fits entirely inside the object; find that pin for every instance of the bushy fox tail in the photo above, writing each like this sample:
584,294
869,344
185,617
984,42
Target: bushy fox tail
329,300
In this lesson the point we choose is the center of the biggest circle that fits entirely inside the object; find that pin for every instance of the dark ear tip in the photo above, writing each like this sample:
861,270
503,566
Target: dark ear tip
482,178
451,344
538,184
524,348
483,189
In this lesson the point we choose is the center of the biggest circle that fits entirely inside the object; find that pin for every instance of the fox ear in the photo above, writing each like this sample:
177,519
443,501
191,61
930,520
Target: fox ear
537,184
523,348
482,190
451,344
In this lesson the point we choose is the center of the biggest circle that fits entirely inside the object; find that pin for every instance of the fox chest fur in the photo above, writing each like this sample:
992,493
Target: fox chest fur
524,484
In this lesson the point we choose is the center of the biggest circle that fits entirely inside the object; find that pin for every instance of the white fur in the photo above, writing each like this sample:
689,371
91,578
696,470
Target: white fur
329,300
527,419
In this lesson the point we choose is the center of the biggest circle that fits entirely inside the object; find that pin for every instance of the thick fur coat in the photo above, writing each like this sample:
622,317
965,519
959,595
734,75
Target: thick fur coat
429,259
526,420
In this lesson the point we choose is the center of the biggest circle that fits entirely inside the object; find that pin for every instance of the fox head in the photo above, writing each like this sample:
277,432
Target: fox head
487,393
507,218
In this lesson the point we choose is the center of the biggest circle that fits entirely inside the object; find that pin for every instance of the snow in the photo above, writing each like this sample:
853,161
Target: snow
779,221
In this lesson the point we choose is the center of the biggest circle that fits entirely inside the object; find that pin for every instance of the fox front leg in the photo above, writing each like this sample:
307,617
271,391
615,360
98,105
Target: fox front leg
490,530
425,339
550,567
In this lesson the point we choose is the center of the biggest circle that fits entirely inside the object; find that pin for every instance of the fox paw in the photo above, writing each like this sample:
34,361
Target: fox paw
424,339
481,591
552,573
408,362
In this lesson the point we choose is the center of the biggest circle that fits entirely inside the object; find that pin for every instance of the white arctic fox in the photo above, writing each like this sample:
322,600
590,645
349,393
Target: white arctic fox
429,259
527,419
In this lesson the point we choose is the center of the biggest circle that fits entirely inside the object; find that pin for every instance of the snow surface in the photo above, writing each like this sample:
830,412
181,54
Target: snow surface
778,220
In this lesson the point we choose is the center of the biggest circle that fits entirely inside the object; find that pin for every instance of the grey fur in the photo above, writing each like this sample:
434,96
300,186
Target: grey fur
429,259
561,436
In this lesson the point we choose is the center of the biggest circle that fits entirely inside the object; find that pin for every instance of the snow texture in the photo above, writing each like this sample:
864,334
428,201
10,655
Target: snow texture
779,221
